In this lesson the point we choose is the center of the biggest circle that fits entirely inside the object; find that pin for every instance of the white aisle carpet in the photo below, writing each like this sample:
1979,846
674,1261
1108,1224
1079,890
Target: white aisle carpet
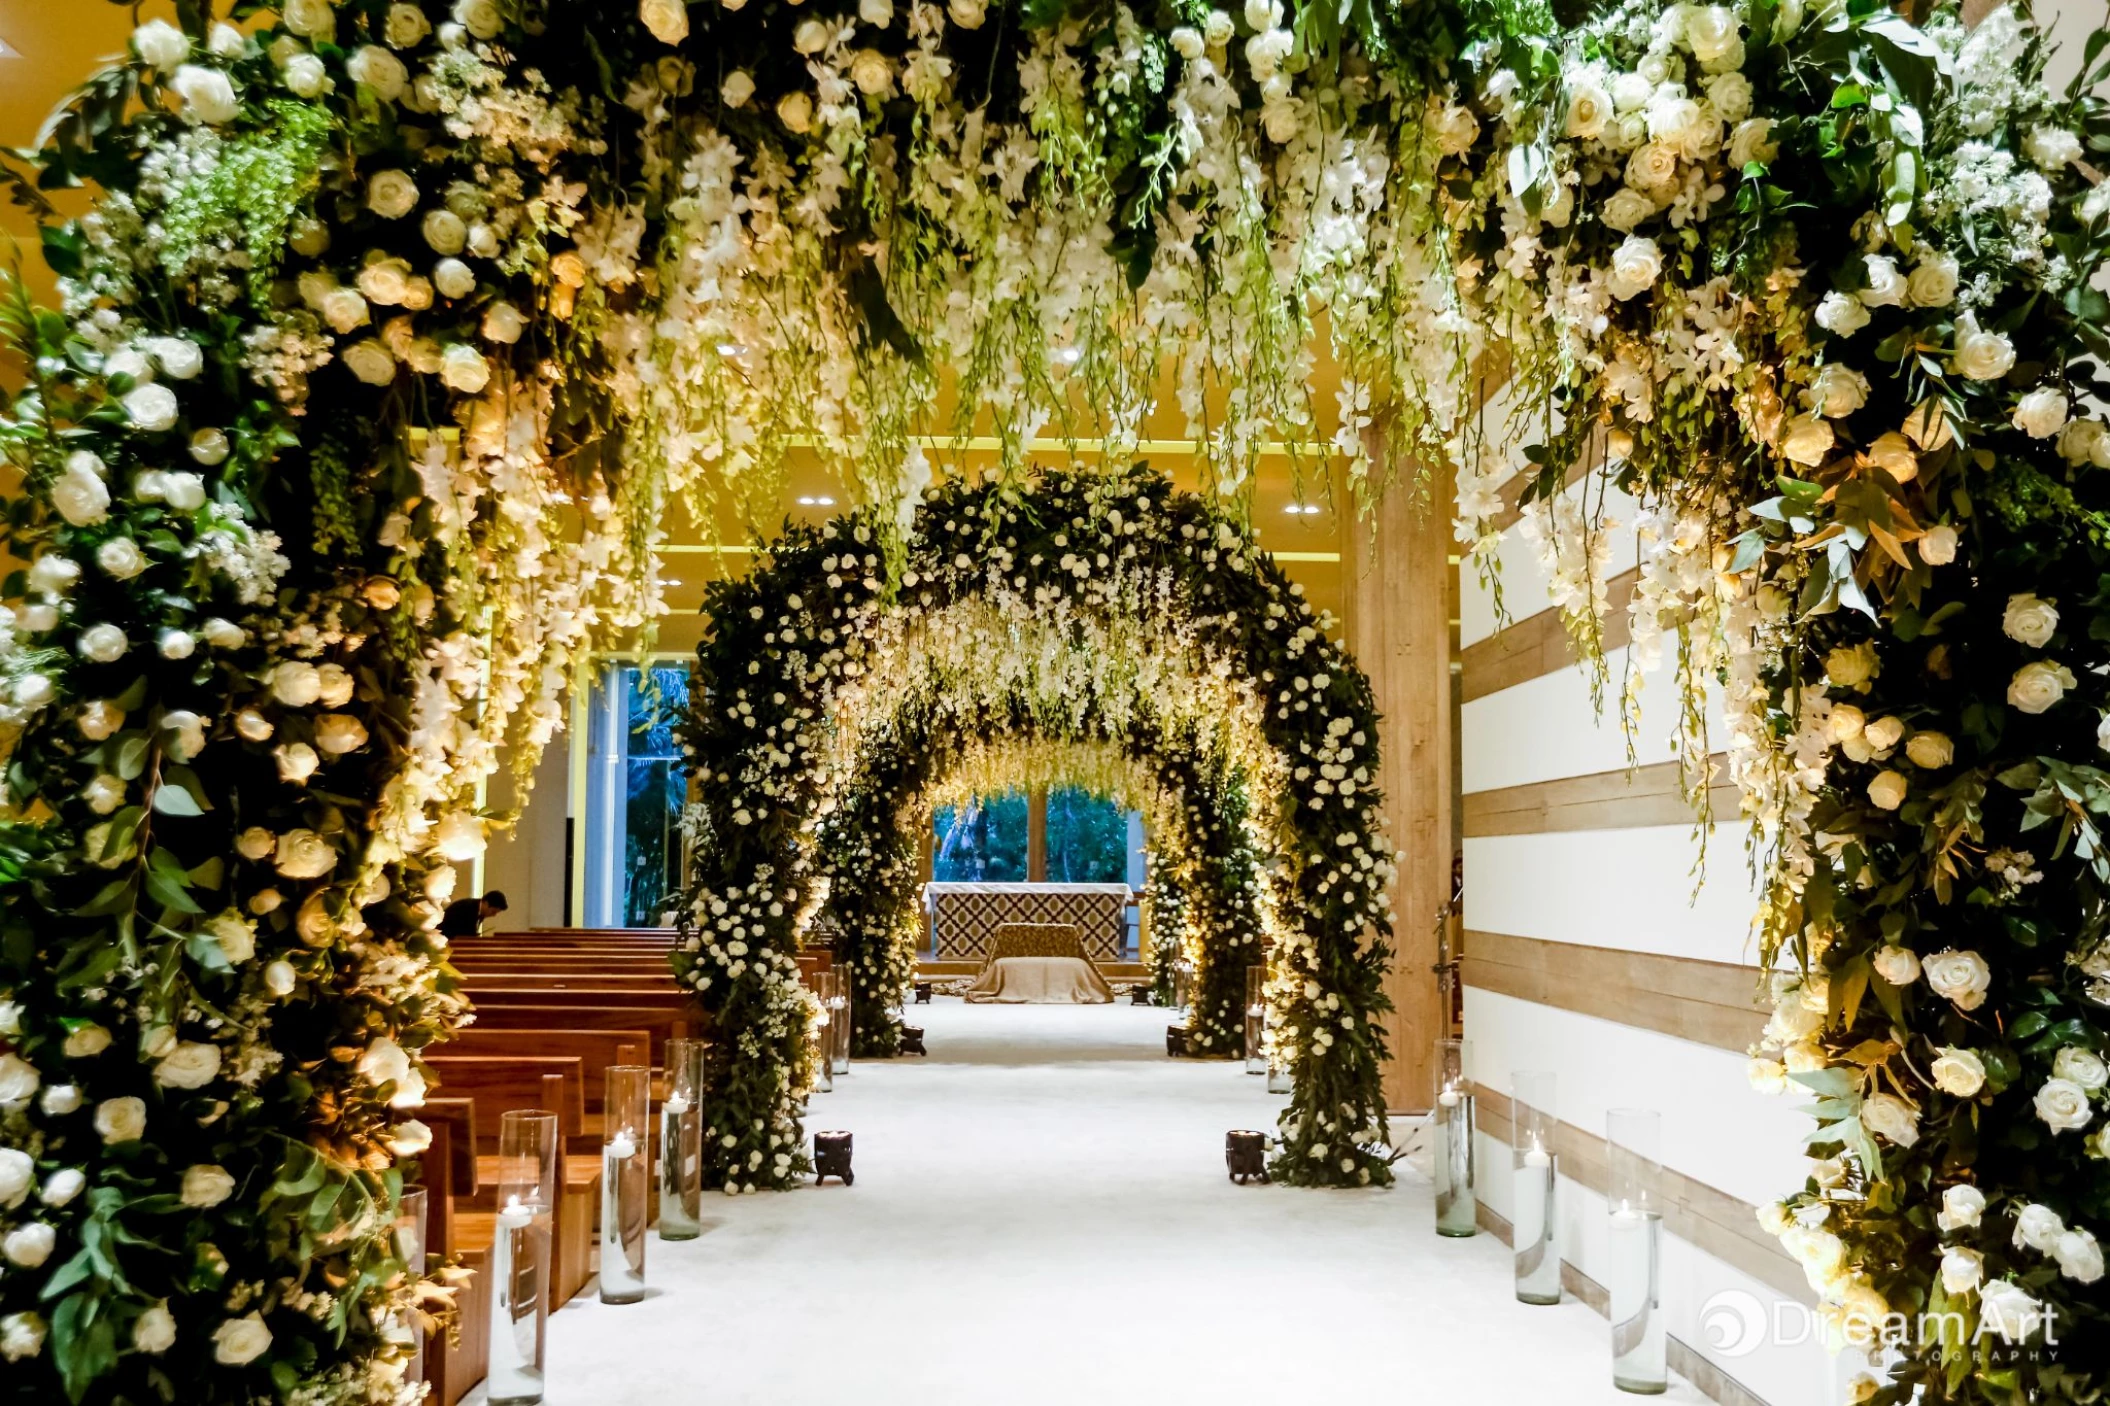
1042,1217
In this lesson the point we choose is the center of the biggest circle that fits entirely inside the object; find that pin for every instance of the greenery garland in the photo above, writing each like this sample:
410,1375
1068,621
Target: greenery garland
827,701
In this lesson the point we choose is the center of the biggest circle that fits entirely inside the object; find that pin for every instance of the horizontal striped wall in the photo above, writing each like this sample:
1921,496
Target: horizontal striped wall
1597,945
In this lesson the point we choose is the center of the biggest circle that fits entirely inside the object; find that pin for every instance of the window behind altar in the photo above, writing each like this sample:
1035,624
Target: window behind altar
636,787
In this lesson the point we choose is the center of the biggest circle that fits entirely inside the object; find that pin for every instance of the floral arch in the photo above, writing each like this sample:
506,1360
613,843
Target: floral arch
1099,609
398,325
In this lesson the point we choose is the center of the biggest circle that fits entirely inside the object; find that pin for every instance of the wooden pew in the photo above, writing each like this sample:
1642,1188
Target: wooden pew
585,994
660,983
673,1022
454,1367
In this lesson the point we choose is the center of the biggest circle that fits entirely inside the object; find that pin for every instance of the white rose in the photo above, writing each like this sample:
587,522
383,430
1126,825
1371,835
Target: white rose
1959,1072
384,1062
183,491
1767,1076
30,1245
483,240
1883,734
339,733
121,1119
1962,1271
1712,32
87,1041
303,854
62,1186
223,634
969,14
2063,1105
161,45
100,719
2080,1257
344,309
207,95
2037,1228
1837,391
1938,545
453,278
2052,148
297,762
1980,355
80,496
61,1100
191,1065
2085,442
795,111
21,1336
1888,1116
1841,314
17,1171
1960,977
737,88
872,72
2081,1066
1933,281
1730,93
370,361
154,1331
151,408
280,978
206,1185
1627,208
503,324
1899,966
1807,439
305,76
240,1341
1886,286
2042,413
296,684
463,368
18,1080
481,18
409,1138
1653,169
105,644
391,194
1636,265
378,69
310,19
120,558
667,19
445,232
1188,43
2030,619
255,843
458,838
1930,749
210,446
406,26
1752,141
232,934
1888,790
810,37
2039,685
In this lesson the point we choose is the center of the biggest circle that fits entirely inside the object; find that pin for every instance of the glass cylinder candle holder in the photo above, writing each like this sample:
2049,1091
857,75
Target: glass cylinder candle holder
1457,1189
681,1143
626,1158
411,1211
824,1049
528,1149
1279,1079
1256,1020
1535,1174
1634,1249
839,1023
1182,983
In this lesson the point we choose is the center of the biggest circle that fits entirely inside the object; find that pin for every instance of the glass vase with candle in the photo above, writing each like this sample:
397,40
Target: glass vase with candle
1634,1249
626,1156
411,1209
1256,1020
1535,1174
1457,1192
839,1023
681,1143
528,1152
824,1031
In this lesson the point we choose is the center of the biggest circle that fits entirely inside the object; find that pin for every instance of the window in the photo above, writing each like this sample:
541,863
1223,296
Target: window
637,787
982,842
1087,838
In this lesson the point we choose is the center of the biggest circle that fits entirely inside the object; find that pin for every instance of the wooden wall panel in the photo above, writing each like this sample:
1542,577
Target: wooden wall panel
1604,800
1709,1003
1538,644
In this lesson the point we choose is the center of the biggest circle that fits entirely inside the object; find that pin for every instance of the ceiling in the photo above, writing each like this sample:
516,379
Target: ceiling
51,45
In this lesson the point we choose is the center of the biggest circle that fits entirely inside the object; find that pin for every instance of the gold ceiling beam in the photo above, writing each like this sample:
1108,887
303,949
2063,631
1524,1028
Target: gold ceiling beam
1165,448
748,549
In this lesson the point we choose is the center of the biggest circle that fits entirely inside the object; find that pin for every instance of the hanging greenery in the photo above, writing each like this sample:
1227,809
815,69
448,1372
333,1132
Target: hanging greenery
1104,610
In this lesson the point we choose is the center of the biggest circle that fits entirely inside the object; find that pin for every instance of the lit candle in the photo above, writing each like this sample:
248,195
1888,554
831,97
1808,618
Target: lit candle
675,1106
514,1216
622,1145
1448,1098
1535,1156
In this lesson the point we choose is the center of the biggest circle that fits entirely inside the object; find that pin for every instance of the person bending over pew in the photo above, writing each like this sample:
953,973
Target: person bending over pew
465,917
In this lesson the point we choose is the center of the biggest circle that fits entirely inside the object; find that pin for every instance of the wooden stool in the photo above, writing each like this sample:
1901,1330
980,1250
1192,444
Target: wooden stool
831,1158
1245,1153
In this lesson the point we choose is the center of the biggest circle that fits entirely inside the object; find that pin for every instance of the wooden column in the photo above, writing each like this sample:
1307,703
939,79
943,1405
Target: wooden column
1037,835
1400,592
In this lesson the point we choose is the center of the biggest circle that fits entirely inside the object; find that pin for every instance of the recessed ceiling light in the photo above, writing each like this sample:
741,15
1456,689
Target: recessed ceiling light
1070,356
825,502
807,501
731,349
1305,509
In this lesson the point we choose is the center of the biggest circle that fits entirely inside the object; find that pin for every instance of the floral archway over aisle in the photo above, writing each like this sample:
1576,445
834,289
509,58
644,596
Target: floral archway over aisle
1078,609
398,324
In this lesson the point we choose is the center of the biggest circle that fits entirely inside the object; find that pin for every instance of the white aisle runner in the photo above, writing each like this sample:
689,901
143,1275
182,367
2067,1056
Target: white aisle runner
1041,1218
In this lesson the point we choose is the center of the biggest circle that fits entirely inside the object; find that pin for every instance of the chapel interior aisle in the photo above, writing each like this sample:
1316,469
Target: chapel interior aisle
1041,1216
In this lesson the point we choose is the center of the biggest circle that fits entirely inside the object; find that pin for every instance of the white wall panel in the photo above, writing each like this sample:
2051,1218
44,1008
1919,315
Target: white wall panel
1523,581
1629,889
1546,728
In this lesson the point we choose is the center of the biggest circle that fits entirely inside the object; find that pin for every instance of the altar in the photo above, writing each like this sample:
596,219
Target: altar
965,916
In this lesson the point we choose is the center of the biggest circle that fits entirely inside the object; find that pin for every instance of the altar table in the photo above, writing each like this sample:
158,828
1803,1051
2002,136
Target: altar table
965,917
